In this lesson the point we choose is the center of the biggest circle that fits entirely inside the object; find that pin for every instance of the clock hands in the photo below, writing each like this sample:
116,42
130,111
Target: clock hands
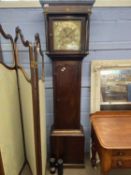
70,32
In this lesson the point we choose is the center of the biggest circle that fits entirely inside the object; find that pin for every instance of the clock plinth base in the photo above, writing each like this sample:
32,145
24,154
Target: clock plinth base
68,145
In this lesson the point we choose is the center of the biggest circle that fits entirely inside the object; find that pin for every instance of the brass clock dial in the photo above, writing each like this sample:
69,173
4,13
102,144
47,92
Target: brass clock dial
67,35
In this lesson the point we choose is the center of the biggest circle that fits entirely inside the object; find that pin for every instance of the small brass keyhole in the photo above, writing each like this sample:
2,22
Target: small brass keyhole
63,69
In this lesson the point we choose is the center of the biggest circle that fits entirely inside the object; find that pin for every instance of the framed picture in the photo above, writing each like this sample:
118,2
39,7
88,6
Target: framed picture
110,85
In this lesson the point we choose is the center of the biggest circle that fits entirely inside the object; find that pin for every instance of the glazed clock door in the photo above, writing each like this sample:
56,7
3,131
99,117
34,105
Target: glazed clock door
66,34
67,78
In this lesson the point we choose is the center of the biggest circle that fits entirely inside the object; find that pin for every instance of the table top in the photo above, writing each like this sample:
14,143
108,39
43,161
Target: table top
113,131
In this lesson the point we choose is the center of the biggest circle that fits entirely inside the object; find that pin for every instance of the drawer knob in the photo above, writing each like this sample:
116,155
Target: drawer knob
119,163
120,153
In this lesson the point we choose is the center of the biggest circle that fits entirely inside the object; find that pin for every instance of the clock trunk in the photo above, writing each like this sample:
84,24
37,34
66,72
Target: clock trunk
67,135
67,81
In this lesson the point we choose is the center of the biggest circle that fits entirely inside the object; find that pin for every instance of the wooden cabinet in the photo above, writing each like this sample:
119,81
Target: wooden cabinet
112,145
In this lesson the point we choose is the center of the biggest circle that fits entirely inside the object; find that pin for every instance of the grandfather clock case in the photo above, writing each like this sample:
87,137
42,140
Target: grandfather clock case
67,40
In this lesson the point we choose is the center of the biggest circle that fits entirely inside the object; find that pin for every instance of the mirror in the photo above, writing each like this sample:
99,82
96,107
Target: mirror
110,85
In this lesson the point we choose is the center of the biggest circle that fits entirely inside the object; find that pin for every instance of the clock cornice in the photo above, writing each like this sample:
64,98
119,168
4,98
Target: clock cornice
67,8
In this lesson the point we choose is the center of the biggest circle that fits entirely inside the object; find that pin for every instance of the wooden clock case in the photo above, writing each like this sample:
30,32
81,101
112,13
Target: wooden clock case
67,135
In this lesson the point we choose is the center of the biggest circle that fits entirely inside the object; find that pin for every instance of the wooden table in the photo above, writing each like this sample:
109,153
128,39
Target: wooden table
111,139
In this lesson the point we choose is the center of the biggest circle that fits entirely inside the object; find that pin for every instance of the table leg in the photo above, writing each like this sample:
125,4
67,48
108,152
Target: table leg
93,159
93,149
105,161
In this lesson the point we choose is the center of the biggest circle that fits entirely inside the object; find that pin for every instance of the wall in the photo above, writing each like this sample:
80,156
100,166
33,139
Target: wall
110,38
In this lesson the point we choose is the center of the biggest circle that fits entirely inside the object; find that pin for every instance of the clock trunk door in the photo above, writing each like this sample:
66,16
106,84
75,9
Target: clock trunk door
67,80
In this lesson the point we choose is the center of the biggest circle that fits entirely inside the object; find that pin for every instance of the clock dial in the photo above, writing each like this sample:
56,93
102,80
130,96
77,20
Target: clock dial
67,35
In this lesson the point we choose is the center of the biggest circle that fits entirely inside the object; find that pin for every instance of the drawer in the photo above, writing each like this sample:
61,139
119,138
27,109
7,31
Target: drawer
121,153
121,163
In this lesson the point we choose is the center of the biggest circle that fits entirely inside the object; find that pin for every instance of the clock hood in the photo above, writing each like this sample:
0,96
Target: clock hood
69,41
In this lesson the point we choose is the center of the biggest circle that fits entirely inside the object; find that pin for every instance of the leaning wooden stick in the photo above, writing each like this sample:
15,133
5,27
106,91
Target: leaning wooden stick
38,45
1,53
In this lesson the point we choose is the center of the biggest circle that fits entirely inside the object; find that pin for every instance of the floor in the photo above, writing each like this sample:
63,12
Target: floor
88,170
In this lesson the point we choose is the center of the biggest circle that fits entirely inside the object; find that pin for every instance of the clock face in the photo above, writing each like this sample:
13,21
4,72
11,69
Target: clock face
67,35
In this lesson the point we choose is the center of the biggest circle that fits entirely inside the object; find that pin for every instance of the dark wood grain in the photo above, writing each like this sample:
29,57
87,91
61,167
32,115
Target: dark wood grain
67,82
10,38
1,166
65,8
84,23
5,35
38,50
68,145
67,93
36,111
1,53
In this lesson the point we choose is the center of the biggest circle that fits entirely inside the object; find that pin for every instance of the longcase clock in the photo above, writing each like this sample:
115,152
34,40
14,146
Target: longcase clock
67,40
